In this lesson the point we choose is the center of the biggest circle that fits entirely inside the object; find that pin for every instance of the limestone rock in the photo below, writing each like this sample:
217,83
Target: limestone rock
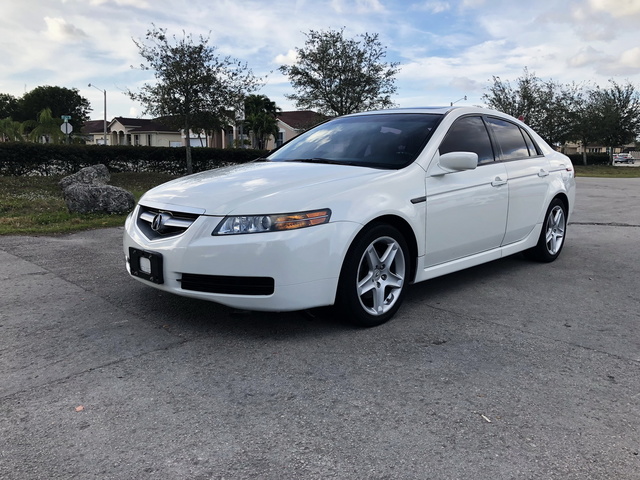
86,198
93,175
86,191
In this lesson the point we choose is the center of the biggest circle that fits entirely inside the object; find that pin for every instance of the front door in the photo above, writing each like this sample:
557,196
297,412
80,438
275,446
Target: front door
466,213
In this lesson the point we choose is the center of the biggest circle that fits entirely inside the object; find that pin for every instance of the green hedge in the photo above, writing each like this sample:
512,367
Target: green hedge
592,158
22,158
18,158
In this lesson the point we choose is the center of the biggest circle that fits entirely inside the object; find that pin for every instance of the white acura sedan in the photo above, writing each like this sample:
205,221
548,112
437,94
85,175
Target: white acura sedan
353,211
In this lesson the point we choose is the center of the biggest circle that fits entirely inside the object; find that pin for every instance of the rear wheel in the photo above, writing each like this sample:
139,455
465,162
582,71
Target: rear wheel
552,235
374,276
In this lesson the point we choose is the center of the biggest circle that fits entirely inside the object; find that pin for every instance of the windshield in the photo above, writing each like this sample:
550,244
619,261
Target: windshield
380,141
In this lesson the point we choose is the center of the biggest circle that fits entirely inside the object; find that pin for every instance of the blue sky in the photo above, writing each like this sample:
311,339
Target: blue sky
447,49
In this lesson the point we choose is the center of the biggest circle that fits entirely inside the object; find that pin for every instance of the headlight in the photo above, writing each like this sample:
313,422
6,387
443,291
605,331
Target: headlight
271,223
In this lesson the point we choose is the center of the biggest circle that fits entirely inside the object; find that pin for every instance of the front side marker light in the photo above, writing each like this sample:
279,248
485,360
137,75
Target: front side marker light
244,224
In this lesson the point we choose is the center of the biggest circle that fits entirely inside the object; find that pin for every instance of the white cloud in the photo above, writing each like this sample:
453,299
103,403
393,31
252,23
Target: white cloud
466,85
631,58
357,6
122,3
434,7
59,30
627,63
73,42
472,3
591,25
368,6
617,8
588,56
288,59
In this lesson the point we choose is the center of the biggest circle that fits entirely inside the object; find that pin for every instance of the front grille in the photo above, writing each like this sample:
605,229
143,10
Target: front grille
228,284
157,223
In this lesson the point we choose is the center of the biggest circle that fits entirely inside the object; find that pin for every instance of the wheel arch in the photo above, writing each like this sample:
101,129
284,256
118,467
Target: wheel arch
563,198
404,228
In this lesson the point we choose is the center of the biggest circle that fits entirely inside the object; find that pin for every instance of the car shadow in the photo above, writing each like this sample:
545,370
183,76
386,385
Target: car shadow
189,318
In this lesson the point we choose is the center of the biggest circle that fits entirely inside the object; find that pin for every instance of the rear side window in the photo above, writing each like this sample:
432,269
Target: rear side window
469,134
533,150
511,140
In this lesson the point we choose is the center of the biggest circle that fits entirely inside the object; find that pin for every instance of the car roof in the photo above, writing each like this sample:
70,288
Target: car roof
440,110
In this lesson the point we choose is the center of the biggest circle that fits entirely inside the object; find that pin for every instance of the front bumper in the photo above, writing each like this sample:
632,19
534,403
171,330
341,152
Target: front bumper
300,268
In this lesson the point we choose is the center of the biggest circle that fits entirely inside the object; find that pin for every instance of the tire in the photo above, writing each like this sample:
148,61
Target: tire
552,235
374,277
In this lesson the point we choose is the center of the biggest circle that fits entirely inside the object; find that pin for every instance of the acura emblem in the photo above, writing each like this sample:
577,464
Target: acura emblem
159,221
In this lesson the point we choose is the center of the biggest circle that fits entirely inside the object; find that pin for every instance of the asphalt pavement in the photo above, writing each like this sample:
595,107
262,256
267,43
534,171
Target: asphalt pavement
510,370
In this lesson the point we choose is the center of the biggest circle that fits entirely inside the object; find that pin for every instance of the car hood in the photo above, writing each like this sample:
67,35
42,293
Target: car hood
258,187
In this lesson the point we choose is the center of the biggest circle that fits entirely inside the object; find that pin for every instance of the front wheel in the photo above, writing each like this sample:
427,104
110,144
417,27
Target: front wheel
552,235
374,276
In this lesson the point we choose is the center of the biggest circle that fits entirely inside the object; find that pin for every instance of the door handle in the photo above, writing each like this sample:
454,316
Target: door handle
498,182
543,173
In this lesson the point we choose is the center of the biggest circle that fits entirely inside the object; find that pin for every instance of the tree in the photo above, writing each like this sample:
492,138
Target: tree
45,129
260,118
543,105
8,106
193,84
584,116
59,100
337,76
617,114
10,130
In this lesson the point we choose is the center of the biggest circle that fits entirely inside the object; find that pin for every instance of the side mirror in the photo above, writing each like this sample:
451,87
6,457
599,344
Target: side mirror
458,161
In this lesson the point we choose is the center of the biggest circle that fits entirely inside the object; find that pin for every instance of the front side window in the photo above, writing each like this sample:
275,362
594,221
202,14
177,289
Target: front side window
510,139
469,134
389,141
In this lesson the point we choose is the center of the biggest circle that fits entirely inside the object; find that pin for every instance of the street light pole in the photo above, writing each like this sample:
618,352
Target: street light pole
460,99
105,111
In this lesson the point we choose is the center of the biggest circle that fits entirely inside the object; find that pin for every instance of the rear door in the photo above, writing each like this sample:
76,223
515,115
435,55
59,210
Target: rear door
528,176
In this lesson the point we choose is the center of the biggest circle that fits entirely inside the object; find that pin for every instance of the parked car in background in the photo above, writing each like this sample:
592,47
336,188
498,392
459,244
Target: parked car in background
623,158
353,211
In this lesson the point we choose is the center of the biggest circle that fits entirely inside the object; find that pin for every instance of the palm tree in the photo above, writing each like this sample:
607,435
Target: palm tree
260,118
46,129
10,130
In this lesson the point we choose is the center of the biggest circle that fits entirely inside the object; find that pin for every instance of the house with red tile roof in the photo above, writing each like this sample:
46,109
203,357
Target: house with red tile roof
143,132
156,133
293,123
132,131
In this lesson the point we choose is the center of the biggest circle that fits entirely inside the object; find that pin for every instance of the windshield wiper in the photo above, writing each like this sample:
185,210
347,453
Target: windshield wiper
329,161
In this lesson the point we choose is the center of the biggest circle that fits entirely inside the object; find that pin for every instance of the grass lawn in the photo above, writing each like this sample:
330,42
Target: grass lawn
34,205
607,171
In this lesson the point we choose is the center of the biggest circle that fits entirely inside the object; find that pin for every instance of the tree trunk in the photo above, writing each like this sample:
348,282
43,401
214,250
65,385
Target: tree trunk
187,144
584,153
